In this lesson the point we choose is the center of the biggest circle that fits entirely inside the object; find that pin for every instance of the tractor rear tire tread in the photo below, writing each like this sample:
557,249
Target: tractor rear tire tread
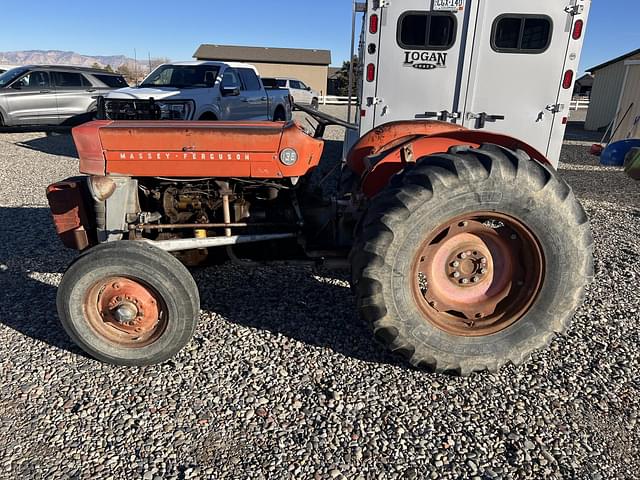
387,221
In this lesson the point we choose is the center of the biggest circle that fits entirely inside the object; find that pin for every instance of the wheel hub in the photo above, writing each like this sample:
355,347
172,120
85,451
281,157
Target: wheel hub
124,311
468,271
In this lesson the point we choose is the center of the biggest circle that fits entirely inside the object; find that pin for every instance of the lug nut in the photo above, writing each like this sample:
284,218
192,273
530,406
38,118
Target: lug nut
513,236
483,260
456,274
475,279
463,255
116,286
465,281
483,271
455,264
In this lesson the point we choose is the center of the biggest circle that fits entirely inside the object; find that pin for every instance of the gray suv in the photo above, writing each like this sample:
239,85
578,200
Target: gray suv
53,95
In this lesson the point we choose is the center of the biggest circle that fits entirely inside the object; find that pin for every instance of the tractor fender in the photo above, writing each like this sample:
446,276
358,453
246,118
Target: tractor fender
379,168
388,136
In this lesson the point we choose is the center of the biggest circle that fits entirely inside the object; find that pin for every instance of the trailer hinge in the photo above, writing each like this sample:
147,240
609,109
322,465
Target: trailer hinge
574,9
381,4
557,108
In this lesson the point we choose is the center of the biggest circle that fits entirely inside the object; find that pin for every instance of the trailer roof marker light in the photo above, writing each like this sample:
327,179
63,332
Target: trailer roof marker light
567,81
577,29
373,23
371,72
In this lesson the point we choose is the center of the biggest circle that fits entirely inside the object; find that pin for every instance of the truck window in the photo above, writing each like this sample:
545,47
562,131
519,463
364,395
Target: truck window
113,81
249,79
427,30
521,34
295,84
230,79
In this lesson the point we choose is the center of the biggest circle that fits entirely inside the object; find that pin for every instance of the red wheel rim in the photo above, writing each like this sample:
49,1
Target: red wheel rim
125,312
477,274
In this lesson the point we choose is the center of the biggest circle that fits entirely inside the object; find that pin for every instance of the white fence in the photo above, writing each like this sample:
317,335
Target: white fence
334,100
579,104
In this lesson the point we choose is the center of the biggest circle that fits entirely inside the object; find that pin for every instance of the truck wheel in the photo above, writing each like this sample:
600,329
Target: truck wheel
473,259
128,303
315,104
279,115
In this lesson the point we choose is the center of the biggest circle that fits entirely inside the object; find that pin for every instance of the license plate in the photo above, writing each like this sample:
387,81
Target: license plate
448,5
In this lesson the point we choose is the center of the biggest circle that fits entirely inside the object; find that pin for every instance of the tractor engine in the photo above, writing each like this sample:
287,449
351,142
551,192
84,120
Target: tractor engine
254,204
173,209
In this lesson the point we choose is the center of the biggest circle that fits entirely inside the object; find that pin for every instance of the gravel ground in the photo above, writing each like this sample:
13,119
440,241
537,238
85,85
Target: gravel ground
282,379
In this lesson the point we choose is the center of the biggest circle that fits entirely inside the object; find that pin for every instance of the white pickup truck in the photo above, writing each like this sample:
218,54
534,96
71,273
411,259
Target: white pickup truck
301,93
199,90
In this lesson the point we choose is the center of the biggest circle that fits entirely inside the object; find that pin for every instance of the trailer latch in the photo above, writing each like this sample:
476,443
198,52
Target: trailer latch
482,118
443,116
557,108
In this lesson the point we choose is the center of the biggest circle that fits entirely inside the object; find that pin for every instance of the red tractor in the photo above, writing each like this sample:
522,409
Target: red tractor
466,249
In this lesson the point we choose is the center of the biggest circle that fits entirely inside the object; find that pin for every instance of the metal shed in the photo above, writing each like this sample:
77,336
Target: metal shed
627,123
309,65
607,87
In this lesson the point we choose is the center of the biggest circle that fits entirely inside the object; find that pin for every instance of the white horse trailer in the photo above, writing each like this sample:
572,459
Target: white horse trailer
504,65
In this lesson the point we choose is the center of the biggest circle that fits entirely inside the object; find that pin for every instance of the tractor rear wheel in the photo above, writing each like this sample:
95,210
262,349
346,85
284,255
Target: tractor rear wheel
472,259
128,303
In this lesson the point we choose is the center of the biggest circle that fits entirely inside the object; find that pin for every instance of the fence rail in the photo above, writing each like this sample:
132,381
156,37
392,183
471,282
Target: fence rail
336,100
579,104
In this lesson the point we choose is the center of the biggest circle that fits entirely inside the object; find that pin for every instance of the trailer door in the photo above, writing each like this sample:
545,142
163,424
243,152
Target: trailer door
416,69
517,68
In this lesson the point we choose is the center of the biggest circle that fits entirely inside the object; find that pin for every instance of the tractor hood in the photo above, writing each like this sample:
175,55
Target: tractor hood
180,149
137,93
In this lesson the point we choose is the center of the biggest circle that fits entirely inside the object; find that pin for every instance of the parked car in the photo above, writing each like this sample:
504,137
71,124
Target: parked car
4,68
53,95
199,90
301,93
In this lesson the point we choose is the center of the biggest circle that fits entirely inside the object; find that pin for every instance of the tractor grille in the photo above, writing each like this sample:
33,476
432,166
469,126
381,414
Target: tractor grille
131,110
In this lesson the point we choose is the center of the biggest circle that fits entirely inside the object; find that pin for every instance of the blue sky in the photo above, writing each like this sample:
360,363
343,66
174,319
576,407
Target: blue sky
174,29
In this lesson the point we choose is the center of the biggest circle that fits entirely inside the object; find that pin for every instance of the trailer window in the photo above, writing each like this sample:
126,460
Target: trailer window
521,34
427,30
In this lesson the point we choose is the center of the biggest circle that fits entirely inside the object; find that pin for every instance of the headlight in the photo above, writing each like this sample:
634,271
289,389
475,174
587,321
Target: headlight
174,111
101,187
288,157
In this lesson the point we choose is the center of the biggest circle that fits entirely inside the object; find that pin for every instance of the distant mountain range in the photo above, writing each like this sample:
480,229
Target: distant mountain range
50,57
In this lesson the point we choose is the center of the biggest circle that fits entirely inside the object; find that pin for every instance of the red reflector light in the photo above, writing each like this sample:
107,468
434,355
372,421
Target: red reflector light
373,23
565,120
371,72
567,82
363,113
577,29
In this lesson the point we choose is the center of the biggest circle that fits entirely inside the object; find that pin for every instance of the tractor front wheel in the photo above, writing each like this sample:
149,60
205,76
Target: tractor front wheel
128,303
471,260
